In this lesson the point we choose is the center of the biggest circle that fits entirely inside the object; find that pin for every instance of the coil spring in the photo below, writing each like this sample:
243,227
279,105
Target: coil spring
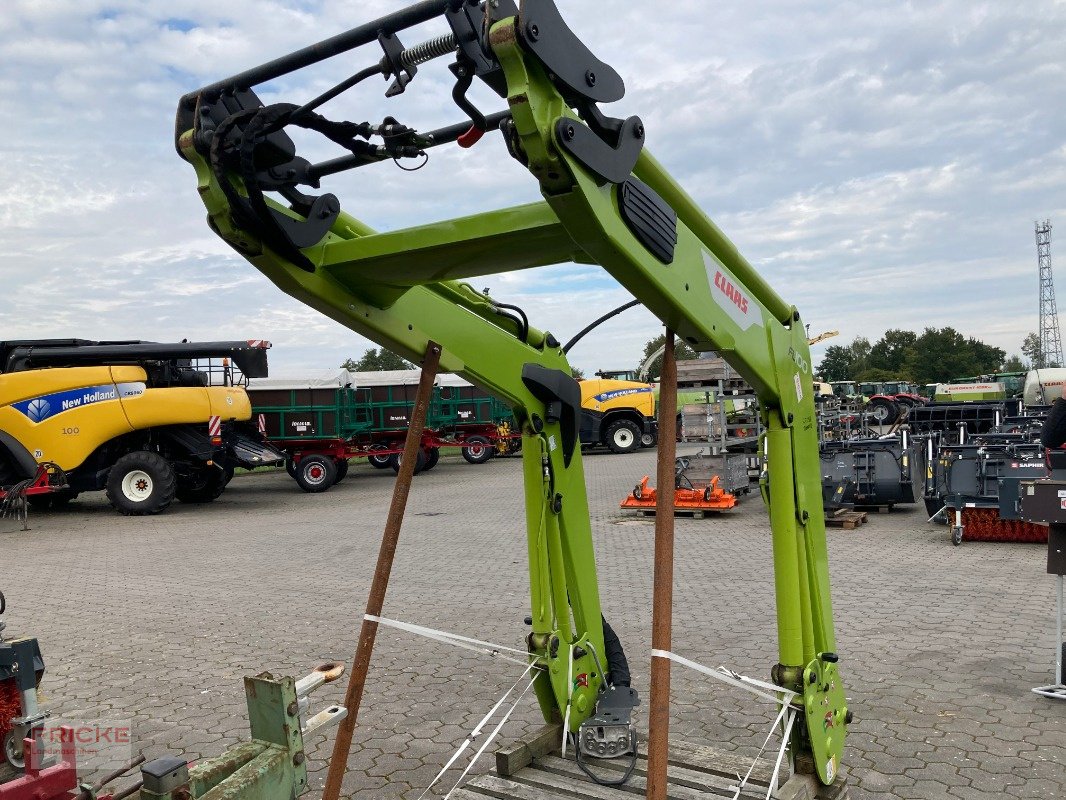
427,51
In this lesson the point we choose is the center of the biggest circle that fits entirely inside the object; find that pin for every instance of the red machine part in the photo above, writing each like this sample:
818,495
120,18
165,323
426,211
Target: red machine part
41,484
10,706
57,782
707,498
984,525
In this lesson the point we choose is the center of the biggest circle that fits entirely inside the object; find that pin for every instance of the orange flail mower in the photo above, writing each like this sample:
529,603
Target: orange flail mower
708,498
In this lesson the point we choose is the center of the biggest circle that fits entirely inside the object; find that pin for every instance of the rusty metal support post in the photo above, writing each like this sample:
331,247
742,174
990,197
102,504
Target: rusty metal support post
663,592
361,662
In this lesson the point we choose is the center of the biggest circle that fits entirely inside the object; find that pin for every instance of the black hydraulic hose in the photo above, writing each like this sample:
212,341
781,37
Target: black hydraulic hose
340,88
597,323
617,663
440,136
519,317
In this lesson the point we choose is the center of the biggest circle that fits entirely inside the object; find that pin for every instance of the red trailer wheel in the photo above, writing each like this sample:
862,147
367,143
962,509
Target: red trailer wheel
380,462
478,450
316,473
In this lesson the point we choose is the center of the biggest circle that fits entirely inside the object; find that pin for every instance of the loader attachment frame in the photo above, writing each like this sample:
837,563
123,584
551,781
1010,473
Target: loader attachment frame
607,201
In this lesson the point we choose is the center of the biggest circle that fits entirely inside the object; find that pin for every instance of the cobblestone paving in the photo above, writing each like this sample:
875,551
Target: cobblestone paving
156,620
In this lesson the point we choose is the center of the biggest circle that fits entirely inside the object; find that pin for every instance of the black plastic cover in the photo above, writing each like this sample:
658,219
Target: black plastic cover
21,661
164,775
652,221
1056,550
576,71
554,386
612,164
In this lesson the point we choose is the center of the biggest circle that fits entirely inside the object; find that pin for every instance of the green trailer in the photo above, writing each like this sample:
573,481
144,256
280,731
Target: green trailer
324,420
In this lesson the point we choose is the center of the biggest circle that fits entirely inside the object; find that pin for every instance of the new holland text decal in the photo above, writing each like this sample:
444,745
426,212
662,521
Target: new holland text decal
47,406
727,293
603,397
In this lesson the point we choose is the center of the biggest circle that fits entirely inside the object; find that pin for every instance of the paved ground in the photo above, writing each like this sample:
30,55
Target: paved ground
157,619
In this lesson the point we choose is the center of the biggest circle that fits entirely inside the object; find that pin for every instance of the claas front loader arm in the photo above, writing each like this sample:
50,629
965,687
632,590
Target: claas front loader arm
607,201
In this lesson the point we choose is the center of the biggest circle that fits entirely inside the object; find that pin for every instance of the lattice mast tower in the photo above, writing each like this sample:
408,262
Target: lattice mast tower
1050,339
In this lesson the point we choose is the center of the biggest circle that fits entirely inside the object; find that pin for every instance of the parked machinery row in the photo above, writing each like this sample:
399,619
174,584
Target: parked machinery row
966,461
322,421
869,471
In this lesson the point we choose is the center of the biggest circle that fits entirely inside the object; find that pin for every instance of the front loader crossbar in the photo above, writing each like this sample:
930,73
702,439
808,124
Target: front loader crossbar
328,48
605,201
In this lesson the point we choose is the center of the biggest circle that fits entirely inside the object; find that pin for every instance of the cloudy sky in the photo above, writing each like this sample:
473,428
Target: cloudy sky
881,162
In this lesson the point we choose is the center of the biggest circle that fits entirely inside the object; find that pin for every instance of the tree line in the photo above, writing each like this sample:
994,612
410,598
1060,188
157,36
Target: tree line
936,355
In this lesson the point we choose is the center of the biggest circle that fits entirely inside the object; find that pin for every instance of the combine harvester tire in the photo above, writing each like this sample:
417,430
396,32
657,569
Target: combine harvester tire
141,483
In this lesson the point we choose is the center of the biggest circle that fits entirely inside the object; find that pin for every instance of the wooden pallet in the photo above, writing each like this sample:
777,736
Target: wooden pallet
694,513
848,520
885,508
533,770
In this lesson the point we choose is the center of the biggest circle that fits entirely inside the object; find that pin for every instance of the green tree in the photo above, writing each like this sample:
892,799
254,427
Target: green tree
845,362
1013,364
836,363
860,355
890,353
682,352
1033,350
375,360
577,374
935,355
986,358
877,375
941,355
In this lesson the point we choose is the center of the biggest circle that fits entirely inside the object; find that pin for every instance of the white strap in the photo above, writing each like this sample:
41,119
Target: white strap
767,691
476,645
756,687
569,696
475,732
781,752
492,736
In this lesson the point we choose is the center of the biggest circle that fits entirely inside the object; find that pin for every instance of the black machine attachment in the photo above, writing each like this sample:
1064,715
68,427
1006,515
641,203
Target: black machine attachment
21,668
246,140
609,732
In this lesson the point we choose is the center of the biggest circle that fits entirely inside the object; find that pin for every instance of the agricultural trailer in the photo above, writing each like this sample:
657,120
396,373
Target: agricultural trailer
323,421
